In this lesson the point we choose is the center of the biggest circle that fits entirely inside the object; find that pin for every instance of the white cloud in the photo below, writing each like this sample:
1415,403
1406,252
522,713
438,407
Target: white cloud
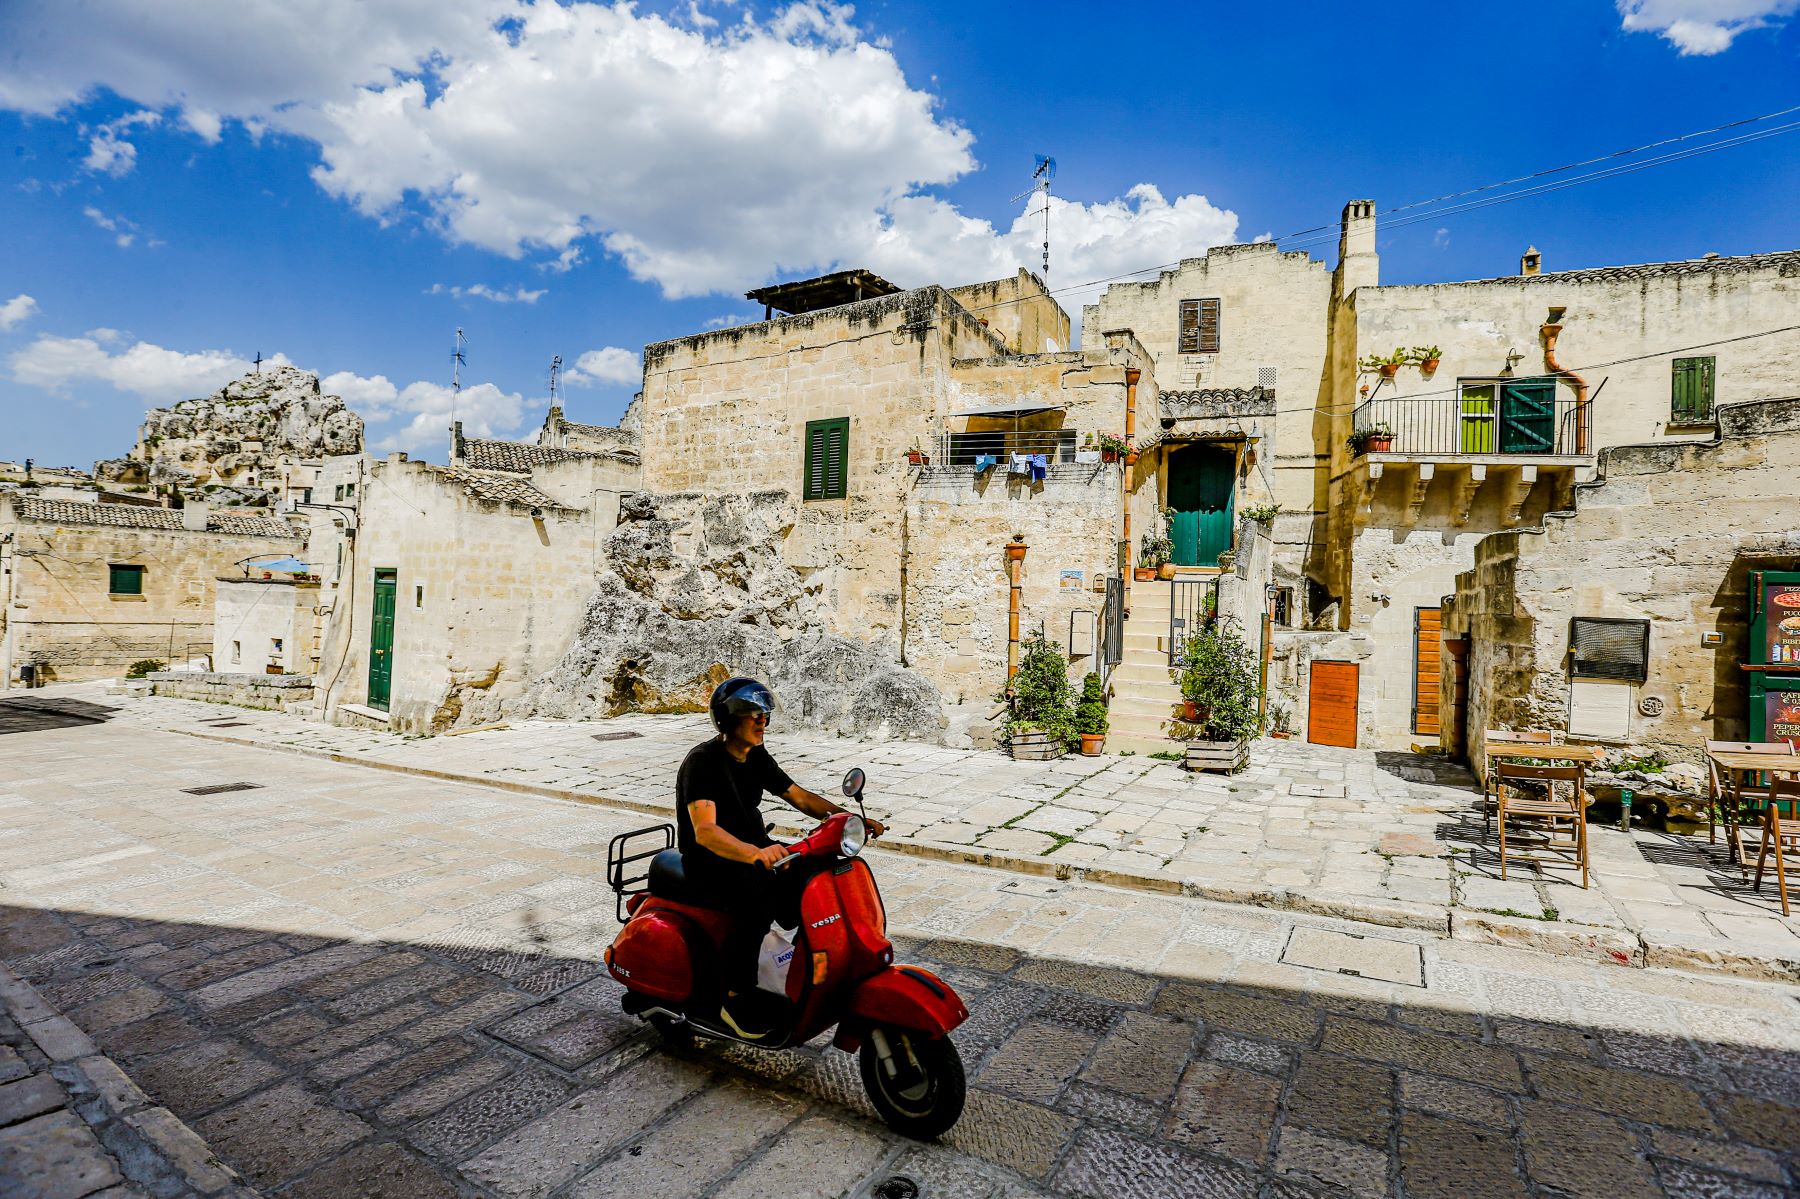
159,375
372,397
484,410
108,152
481,291
16,311
609,365
707,156
124,232
1701,27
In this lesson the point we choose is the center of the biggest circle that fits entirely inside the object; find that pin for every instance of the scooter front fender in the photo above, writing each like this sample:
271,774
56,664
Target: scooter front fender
909,997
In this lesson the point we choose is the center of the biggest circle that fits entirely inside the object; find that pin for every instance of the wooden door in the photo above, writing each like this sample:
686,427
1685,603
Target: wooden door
381,642
1331,704
1427,671
1202,487
1528,418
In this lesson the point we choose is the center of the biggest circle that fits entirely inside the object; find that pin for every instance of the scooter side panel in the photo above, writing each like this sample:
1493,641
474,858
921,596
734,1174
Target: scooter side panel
655,953
907,997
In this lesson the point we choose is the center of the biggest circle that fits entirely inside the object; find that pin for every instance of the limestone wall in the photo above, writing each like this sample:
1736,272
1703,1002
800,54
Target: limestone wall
274,693
260,623
1670,536
1020,311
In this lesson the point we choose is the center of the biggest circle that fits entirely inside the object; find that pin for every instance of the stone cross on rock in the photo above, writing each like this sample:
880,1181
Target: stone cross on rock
259,362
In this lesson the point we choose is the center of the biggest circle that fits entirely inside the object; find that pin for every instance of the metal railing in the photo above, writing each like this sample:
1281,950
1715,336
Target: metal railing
1493,423
1112,639
1001,448
1193,603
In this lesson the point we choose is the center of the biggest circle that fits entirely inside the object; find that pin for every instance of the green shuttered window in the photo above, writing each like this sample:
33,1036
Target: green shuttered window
827,458
125,580
1691,390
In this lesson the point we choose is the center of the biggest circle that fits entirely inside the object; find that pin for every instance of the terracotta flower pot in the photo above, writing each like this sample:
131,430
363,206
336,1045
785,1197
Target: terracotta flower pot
1389,369
1109,455
1193,713
1015,551
1166,571
1091,743
1131,457
1379,444
1144,574
918,458
1429,365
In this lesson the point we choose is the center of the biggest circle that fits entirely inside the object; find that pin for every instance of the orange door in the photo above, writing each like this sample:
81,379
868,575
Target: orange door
1428,632
1331,704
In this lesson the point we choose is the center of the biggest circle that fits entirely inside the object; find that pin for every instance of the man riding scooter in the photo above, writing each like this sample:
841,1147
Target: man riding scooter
725,847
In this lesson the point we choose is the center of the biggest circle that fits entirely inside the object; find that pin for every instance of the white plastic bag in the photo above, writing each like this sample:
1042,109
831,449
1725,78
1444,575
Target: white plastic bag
773,962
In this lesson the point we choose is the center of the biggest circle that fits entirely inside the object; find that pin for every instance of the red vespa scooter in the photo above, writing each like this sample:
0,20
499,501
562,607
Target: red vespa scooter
897,1017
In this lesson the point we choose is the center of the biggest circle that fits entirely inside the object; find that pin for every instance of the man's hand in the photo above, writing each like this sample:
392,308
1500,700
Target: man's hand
769,855
876,828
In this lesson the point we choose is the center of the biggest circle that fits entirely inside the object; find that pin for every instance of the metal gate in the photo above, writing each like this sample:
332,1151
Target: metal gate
1192,603
1112,640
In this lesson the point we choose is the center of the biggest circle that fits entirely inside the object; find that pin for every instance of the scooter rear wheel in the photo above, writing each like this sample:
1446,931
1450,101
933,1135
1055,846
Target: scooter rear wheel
925,1098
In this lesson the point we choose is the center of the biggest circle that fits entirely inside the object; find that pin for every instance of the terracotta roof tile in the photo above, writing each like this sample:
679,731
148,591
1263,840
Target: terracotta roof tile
130,516
515,457
1786,261
501,489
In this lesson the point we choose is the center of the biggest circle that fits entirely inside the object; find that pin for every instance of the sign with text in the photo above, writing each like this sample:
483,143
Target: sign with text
1783,723
1782,640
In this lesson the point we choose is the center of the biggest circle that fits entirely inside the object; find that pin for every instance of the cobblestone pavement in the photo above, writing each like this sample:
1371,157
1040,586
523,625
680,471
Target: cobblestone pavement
357,983
1391,838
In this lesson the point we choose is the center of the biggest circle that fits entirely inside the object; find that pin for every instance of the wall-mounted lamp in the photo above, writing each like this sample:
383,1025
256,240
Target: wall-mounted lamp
1378,599
537,514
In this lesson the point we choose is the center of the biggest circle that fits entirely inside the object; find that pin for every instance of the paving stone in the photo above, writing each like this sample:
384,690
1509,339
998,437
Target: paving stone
1425,1052
560,1144
1446,1159
576,1042
1581,1152
1121,986
1344,1098
19,1101
11,1065
819,1158
944,1172
469,1123
1239,1012
1234,1050
54,1156
997,958
1087,1102
182,1149
994,1014
380,1171
1650,1098
1718,1155
1008,1132
1037,1061
699,1145
1683,1181
1111,1165
1225,1111
1761,1122
377,1085
1142,1056
200,1077
273,1135
1358,1168
1444,1097
1079,1011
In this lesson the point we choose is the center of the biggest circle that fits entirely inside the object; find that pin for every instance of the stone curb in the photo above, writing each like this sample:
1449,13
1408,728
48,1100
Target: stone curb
105,1096
1620,947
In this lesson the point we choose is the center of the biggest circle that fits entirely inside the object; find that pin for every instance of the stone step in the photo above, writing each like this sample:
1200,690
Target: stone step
1137,677
1154,707
1138,743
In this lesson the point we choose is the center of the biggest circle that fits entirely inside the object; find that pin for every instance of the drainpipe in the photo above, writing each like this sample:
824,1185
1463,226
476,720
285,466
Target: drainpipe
1132,376
1015,562
1550,331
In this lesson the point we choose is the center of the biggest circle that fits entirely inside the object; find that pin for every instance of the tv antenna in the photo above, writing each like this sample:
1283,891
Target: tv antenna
1041,175
555,371
457,362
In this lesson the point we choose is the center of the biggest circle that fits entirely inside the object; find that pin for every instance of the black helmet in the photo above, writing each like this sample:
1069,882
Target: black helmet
736,698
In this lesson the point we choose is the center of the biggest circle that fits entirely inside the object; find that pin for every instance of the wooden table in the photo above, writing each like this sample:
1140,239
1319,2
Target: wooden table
1734,763
1586,755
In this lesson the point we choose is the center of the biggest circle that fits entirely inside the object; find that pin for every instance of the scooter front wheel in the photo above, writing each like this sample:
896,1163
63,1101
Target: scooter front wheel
919,1091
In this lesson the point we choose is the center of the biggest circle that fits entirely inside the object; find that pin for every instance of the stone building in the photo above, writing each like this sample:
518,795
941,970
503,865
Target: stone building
266,622
448,588
89,589
1652,564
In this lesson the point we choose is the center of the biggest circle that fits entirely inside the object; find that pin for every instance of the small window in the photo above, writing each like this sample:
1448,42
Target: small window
1691,391
274,646
125,580
1281,610
1200,326
419,595
827,458
1609,648
306,495
237,651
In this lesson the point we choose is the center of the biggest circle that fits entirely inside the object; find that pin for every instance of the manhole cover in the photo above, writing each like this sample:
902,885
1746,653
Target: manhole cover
897,1187
616,736
1359,956
221,788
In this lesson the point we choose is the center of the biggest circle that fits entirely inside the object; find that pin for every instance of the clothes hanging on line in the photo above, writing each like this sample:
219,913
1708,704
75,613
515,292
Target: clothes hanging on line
986,462
1040,466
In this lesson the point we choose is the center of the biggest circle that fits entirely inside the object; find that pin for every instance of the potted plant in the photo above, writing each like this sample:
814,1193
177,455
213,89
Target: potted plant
1377,438
1427,357
917,457
1281,720
1089,452
1112,448
1090,715
1263,514
1388,364
1217,675
1042,725
1015,549
1153,554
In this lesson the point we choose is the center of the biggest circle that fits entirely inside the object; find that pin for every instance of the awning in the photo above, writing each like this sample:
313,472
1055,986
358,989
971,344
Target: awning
1016,408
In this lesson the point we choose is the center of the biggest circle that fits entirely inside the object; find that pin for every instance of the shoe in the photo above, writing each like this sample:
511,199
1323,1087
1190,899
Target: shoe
746,1022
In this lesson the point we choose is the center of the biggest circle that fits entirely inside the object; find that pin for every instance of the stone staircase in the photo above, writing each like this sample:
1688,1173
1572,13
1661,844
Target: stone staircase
1144,698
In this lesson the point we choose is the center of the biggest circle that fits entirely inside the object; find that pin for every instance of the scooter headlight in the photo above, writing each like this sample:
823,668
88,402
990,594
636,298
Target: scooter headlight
855,836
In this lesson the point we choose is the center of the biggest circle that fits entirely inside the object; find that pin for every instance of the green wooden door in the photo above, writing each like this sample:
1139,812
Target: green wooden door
381,642
1528,418
1202,482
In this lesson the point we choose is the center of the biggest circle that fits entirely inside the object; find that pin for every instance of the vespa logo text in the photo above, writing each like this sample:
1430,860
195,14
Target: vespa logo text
828,920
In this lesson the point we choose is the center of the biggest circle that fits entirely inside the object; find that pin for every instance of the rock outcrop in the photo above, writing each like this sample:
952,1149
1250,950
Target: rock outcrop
694,589
231,444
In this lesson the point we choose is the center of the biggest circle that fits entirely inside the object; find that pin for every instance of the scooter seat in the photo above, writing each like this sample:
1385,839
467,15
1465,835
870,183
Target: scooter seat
668,880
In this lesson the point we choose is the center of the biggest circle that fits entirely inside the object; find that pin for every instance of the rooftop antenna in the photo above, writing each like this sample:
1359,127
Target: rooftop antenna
457,362
1041,176
555,370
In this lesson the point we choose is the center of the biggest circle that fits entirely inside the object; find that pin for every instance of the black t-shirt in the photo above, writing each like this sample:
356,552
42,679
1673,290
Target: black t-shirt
735,788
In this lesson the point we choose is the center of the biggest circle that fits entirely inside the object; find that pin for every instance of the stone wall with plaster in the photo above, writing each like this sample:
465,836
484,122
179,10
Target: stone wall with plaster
272,693
262,624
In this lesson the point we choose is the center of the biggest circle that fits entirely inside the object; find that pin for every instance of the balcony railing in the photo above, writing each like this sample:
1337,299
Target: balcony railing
1490,420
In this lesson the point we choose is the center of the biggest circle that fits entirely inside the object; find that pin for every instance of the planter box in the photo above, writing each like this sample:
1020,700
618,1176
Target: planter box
1087,456
1227,757
1034,747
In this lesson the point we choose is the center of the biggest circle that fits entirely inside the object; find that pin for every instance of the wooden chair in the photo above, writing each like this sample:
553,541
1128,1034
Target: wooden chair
1782,839
1732,791
1503,737
1562,835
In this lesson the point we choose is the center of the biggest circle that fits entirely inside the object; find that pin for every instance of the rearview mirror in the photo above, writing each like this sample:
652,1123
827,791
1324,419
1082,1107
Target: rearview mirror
853,782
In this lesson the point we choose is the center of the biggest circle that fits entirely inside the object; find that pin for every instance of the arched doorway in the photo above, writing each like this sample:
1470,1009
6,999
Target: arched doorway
1202,488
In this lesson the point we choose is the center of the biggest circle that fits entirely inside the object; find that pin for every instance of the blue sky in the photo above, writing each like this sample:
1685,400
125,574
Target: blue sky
344,185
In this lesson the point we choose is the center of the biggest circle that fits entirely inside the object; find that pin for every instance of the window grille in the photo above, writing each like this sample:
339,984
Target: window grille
1609,648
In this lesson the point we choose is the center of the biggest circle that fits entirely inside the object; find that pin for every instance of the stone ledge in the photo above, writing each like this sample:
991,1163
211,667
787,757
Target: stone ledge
219,678
1614,946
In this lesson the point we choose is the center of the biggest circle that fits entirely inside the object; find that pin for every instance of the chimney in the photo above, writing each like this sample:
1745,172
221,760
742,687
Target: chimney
193,516
1531,262
1358,265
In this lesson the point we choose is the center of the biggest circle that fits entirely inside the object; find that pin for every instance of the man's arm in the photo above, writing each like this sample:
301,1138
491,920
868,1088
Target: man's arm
705,817
818,807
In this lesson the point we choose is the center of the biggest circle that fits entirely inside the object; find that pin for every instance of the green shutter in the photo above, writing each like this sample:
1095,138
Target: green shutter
125,580
1478,418
827,459
1691,390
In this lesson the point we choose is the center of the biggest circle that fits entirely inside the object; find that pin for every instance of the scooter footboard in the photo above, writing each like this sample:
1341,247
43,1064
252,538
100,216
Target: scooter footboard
909,997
